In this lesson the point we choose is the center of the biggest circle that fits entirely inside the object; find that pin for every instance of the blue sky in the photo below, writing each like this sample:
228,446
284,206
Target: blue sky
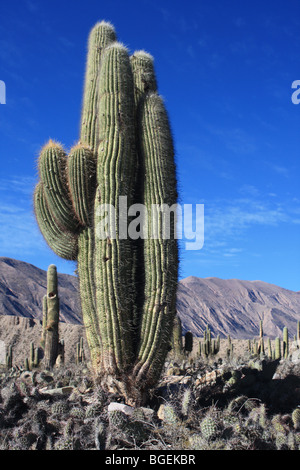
225,69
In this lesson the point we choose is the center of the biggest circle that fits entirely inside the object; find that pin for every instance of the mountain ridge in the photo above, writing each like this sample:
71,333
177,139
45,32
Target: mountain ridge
230,306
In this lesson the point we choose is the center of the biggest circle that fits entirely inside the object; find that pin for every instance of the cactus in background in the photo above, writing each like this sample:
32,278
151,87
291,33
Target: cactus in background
60,360
50,324
33,360
176,342
277,348
9,357
229,351
261,346
44,321
31,355
270,353
188,342
285,342
127,287
26,364
80,358
298,334
209,347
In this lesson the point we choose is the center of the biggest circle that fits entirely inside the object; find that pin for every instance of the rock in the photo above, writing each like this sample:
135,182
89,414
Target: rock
295,356
57,391
174,371
114,406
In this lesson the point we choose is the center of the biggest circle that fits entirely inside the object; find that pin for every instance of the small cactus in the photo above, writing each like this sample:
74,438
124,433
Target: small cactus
296,418
209,428
186,401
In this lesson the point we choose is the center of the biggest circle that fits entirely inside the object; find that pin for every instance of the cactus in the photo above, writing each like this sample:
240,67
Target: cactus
44,322
188,342
285,342
9,357
270,353
229,351
277,348
50,336
26,364
209,428
80,358
261,346
186,402
176,342
296,418
127,287
209,347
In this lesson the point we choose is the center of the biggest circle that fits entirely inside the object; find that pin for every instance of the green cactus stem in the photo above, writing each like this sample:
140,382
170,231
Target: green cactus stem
277,348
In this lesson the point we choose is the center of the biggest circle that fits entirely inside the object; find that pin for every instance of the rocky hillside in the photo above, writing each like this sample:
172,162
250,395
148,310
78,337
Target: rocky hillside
229,306
234,307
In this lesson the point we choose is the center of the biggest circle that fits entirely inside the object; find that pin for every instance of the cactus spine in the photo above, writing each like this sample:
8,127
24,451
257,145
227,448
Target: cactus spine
127,287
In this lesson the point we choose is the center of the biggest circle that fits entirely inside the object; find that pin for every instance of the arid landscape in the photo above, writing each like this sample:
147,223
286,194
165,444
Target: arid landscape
226,400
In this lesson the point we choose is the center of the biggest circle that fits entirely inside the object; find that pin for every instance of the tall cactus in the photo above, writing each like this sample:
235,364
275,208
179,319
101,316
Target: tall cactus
50,335
285,333
125,152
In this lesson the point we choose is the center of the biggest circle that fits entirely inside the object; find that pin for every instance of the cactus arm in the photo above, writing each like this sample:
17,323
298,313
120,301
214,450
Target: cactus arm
101,35
52,165
64,244
160,255
143,74
81,174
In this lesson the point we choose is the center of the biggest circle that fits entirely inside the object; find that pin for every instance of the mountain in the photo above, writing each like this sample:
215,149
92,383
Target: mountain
234,307
230,307
23,286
